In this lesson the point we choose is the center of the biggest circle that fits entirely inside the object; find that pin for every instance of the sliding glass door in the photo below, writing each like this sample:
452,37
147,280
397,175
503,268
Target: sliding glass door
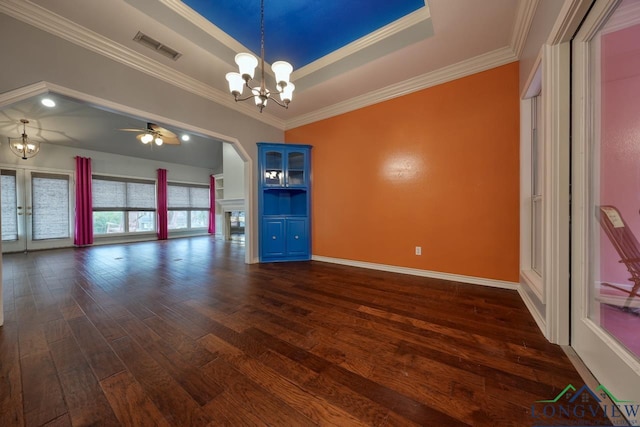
36,210
606,197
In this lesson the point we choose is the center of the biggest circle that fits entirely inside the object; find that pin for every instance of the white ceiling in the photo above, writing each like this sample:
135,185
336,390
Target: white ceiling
446,40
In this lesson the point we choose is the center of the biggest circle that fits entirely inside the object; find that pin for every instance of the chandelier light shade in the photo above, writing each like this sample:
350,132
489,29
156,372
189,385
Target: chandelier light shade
247,64
22,146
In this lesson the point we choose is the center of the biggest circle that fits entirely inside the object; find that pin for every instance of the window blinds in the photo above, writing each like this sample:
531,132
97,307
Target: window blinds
185,197
128,195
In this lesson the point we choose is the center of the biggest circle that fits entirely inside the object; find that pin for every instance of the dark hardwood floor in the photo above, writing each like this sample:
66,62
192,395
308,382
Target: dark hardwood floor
183,333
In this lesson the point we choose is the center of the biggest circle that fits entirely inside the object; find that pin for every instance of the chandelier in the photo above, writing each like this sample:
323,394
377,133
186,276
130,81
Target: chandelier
21,146
247,64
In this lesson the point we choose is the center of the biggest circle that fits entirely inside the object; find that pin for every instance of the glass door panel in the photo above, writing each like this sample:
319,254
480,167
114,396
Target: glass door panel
606,198
50,207
273,168
13,203
295,168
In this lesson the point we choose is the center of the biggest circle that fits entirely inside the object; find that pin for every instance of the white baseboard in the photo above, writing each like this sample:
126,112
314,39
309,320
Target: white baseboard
423,273
539,319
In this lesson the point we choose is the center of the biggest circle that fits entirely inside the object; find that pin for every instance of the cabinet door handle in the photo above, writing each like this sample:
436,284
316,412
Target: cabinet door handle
273,237
19,213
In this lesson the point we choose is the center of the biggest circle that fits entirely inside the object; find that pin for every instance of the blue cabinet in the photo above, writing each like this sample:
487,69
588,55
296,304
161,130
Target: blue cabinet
284,202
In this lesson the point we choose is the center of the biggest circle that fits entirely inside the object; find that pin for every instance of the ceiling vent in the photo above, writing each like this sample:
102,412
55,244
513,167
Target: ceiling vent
147,41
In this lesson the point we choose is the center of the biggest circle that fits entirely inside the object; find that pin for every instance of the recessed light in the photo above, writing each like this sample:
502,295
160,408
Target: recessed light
185,137
48,102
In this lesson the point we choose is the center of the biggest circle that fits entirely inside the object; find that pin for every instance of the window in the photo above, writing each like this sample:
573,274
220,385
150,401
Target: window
536,184
123,205
188,206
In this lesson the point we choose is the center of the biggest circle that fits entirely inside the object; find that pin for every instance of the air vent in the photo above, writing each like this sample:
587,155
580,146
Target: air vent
147,41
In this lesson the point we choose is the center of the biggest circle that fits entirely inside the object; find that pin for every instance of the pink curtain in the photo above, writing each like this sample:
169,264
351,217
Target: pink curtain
84,208
163,211
212,205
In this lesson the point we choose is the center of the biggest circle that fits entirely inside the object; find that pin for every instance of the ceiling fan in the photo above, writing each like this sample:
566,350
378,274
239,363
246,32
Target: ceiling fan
155,133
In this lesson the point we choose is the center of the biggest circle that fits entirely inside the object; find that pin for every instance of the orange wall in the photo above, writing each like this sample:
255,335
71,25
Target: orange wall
437,168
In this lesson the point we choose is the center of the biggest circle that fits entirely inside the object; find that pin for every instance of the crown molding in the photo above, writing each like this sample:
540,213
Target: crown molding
524,18
371,39
465,68
23,93
59,26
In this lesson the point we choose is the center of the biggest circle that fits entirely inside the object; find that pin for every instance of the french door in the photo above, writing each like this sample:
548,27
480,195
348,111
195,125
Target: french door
605,325
36,210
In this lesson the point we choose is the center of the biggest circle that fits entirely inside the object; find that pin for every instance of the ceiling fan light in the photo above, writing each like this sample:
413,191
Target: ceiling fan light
159,141
247,64
287,93
282,70
146,138
236,84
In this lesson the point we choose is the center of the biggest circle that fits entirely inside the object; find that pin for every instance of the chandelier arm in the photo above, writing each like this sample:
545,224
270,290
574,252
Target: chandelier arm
244,99
283,105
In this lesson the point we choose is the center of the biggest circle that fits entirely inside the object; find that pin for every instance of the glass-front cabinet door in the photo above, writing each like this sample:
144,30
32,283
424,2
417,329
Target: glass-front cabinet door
296,168
273,169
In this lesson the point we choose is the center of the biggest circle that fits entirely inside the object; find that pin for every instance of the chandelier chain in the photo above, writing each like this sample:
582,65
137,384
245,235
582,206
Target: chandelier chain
262,85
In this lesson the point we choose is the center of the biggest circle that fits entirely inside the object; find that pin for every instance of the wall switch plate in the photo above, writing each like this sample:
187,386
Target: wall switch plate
418,250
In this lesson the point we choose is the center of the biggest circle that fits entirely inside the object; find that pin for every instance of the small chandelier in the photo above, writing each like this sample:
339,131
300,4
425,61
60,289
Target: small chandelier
247,64
21,146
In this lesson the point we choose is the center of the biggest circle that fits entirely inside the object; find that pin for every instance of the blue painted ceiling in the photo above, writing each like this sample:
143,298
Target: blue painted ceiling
301,31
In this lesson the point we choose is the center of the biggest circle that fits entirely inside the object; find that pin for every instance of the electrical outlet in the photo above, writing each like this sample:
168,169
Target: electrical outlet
418,250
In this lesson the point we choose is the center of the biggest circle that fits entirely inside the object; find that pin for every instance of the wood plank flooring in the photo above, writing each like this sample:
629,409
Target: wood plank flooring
183,333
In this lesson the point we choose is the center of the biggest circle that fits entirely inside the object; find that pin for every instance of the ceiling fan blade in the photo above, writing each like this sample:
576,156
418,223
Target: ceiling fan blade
133,130
164,132
171,140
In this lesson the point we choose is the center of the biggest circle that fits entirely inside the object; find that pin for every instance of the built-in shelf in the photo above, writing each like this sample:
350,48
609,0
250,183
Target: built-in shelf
219,179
